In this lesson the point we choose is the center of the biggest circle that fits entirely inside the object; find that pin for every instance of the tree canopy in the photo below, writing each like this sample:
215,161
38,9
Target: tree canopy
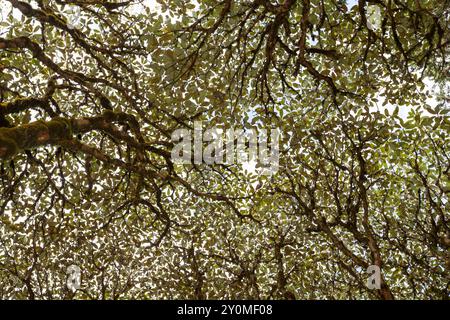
91,92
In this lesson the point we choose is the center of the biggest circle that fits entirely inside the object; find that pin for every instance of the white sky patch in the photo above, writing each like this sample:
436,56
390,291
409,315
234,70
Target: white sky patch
249,166
6,9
